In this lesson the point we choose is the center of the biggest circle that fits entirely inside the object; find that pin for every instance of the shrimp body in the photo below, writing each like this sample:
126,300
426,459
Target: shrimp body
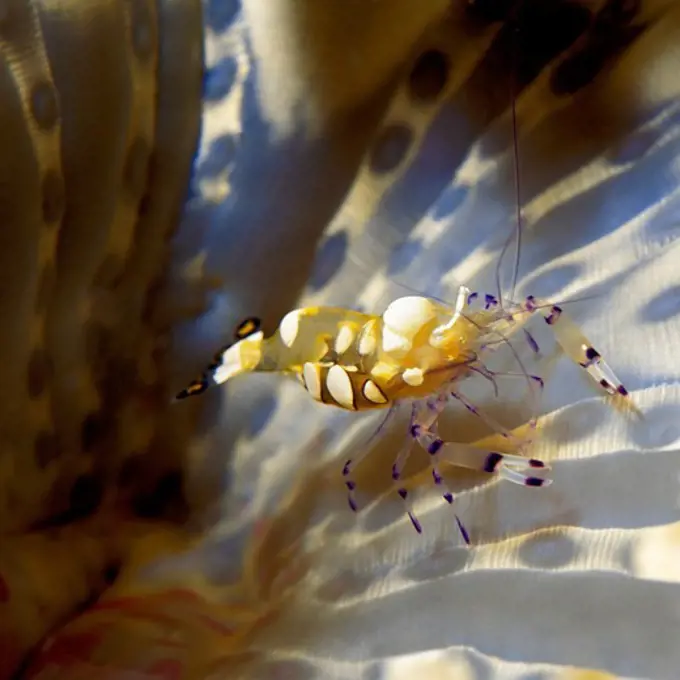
359,361
418,350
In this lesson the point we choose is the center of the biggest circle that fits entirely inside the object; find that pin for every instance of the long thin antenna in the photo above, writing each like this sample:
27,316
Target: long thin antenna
517,234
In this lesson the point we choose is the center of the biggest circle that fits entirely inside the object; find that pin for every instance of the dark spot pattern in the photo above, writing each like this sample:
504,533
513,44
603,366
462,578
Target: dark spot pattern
167,492
329,259
429,75
85,496
92,430
403,256
390,148
140,26
220,79
44,105
220,14
220,155
610,34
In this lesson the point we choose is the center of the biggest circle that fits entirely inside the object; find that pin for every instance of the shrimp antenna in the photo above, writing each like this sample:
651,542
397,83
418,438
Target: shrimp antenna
517,233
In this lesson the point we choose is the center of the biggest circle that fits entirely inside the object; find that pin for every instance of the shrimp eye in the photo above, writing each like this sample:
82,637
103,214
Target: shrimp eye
196,387
247,327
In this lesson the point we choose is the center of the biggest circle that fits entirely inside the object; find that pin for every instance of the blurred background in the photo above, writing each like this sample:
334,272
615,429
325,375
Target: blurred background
173,166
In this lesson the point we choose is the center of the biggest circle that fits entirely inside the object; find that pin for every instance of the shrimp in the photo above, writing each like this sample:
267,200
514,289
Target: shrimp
419,351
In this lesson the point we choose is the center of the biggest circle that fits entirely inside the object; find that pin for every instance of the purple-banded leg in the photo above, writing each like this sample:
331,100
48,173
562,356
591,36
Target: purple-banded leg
437,477
347,474
577,347
516,469
402,491
350,465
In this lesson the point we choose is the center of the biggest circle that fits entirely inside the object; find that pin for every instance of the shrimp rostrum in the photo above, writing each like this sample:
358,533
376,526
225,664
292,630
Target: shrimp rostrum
418,351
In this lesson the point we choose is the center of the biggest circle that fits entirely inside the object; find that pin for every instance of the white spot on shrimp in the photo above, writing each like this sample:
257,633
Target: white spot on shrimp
344,339
407,315
393,342
373,393
340,386
413,377
288,329
310,373
368,339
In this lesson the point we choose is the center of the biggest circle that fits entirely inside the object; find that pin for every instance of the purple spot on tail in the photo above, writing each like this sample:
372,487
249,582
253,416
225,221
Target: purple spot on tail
622,391
538,379
534,481
345,470
530,303
535,463
350,485
532,341
352,504
471,297
395,472
492,461
435,446
605,384
403,493
415,431
448,497
437,477
415,523
463,531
